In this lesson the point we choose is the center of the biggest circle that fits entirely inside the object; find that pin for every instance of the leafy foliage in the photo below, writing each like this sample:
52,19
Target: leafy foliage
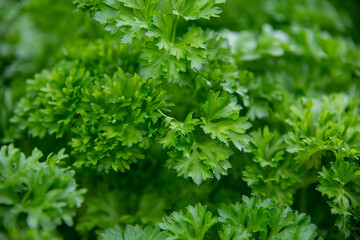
31,35
272,173
36,196
133,232
222,120
192,225
79,99
341,184
163,53
261,100
354,223
264,217
203,160
195,10
253,217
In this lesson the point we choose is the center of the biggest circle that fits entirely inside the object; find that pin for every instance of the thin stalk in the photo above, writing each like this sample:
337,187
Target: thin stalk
147,10
174,29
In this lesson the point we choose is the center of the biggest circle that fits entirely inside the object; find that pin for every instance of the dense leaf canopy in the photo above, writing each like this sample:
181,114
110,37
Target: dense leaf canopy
179,119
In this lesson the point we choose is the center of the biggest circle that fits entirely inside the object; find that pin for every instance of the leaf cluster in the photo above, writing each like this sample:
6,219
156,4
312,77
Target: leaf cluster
247,220
261,102
35,197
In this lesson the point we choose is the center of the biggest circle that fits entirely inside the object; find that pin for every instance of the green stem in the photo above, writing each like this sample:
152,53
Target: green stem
195,93
26,196
147,11
174,29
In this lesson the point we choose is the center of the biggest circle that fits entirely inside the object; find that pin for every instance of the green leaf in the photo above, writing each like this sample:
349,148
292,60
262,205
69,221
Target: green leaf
194,224
270,173
268,220
200,161
192,10
234,233
74,99
158,63
267,147
112,234
172,56
222,120
131,18
138,4
354,223
177,129
133,233
44,194
341,183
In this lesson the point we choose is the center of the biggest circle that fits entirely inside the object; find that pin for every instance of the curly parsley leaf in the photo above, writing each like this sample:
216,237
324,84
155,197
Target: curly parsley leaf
192,10
133,233
163,52
193,224
271,174
222,120
253,218
43,192
199,161
131,18
77,97
266,219
340,183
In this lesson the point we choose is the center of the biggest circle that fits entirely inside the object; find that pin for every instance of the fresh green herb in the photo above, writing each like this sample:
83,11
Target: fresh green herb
168,110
